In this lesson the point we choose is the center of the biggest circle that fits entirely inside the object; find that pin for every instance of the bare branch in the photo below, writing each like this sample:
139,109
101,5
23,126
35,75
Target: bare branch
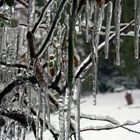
88,60
26,5
41,15
47,39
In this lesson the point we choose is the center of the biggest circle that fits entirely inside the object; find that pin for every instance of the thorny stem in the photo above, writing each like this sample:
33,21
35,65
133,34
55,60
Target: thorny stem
110,127
89,117
81,68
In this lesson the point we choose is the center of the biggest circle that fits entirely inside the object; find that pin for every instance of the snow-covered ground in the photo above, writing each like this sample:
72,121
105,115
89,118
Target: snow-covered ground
113,105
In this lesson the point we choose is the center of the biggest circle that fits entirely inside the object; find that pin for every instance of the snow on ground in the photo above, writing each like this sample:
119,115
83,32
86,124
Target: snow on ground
114,105
111,104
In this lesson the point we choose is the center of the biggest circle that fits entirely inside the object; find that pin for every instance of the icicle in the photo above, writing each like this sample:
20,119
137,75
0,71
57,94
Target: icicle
79,23
46,104
137,28
98,18
38,115
31,14
94,74
117,21
77,104
23,133
108,24
44,114
87,20
4,55
1,39
67,114
91,10
61,118
20,38
29,96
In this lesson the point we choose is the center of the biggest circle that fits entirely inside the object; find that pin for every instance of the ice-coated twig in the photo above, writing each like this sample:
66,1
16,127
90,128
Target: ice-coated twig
14,65
117,21
31,45
88,59
41,15
31,13
67,114
77,105
108,25
22,118
39,103
136,28
70,75
87,20
61,118
54,131
46,97
53,26
110,120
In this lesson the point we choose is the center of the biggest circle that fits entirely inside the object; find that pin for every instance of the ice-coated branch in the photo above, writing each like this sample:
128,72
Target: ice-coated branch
56,19
8,88
110,127
108,119
14,65
21,118
53,131
26,5
88,59
41,15
114,123
136,28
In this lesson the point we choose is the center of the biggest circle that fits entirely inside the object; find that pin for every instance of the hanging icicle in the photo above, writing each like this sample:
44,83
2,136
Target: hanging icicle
108,24
20,40
136,28
94,74
77,106
117,21
38,114
87,20
61,118
67,108
47,104
31,13
98,18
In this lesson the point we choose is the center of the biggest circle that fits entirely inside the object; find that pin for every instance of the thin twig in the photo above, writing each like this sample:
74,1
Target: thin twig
14,65
88,59
57,17
26,5
41,16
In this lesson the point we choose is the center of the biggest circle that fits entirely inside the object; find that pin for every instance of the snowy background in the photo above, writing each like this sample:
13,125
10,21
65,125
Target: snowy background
113,105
